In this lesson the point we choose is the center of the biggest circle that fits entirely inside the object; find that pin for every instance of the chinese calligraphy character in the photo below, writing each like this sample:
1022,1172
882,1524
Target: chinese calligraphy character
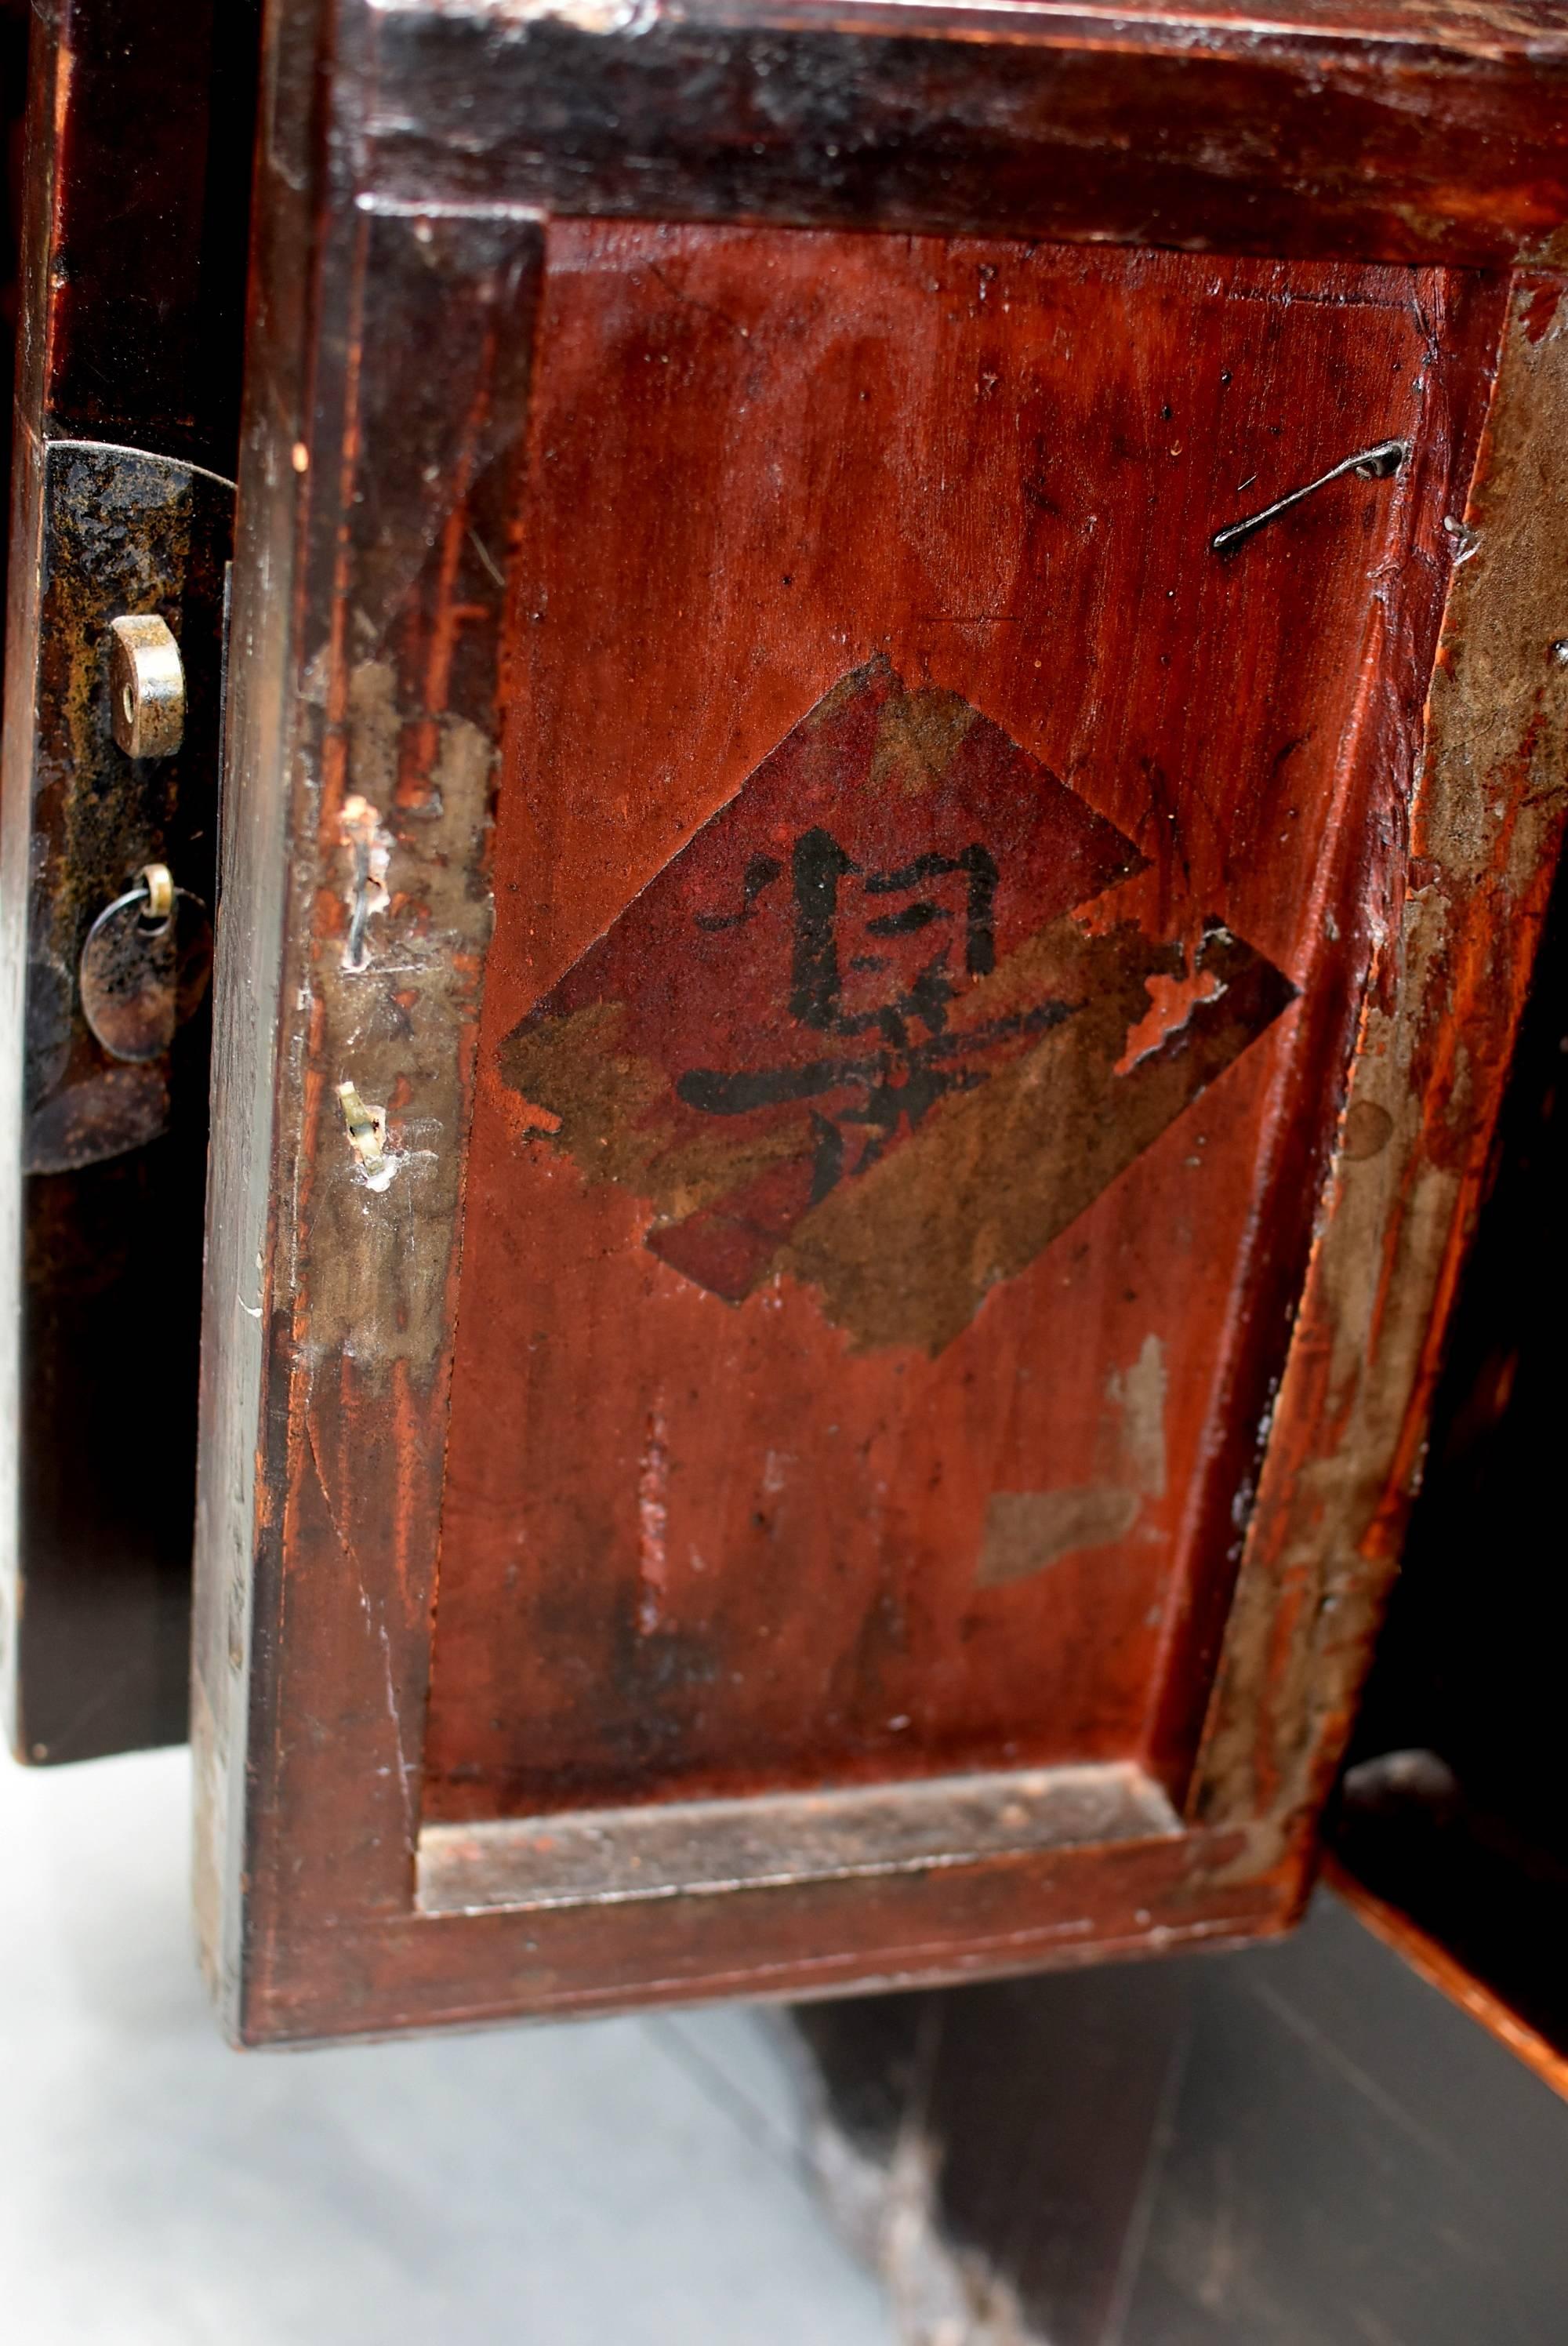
883,979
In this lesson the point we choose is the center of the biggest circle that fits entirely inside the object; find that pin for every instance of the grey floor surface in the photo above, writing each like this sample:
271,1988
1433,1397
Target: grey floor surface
627,2182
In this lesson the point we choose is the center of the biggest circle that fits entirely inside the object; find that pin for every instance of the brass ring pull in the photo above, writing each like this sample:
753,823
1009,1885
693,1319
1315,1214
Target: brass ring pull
158,881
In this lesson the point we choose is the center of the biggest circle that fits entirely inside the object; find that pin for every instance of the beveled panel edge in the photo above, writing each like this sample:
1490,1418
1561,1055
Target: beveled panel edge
1487,826
597,1857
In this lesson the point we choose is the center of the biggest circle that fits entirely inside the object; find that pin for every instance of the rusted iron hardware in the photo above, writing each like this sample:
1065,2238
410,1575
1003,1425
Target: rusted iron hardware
127,692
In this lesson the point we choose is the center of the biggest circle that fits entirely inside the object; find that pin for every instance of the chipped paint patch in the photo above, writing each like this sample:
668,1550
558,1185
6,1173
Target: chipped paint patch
1140,1395
1026,1531
374,1289
1172,1001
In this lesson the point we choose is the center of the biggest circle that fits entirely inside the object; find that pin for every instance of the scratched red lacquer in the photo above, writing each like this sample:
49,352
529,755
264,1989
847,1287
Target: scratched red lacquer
953,1483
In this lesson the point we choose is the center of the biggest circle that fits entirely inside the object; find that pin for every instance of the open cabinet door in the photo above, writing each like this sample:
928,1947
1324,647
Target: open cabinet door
881,848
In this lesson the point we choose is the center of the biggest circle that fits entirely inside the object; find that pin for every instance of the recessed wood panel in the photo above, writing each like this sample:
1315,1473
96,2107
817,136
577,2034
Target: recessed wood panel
911,1034
929,889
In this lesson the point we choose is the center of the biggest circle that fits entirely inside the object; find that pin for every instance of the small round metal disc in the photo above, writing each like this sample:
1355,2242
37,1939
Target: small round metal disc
140,979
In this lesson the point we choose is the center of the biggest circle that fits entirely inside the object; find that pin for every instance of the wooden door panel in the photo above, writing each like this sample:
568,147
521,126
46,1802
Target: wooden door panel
862,1429
851,1065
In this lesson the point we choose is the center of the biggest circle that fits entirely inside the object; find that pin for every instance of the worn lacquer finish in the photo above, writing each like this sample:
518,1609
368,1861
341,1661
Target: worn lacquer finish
685,1361
1384,133
398,748
1461,921
872,1137
1446,1824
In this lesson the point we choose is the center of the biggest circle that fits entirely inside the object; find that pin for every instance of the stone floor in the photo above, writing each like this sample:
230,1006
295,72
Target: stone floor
1345,2158
624,2182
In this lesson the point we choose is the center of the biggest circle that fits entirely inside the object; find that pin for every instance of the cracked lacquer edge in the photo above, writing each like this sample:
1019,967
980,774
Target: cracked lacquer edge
1436,1033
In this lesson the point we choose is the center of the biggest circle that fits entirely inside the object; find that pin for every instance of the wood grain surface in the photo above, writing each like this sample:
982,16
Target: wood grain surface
922,1480
1378,132
725,1365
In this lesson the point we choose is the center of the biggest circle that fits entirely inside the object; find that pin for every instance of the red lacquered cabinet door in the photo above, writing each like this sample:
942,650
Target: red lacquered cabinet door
856,1028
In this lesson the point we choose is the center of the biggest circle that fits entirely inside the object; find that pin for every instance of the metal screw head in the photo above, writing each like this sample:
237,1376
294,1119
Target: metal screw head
146,686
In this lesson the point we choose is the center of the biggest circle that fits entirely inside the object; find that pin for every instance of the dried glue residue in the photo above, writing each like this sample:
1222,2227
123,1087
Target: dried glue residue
369,847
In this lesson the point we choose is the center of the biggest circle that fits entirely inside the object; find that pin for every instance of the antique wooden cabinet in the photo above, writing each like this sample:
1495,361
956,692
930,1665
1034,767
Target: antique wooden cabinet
895,704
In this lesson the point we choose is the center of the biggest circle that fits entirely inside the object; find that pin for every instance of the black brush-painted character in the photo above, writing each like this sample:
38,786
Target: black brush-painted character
915,1058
